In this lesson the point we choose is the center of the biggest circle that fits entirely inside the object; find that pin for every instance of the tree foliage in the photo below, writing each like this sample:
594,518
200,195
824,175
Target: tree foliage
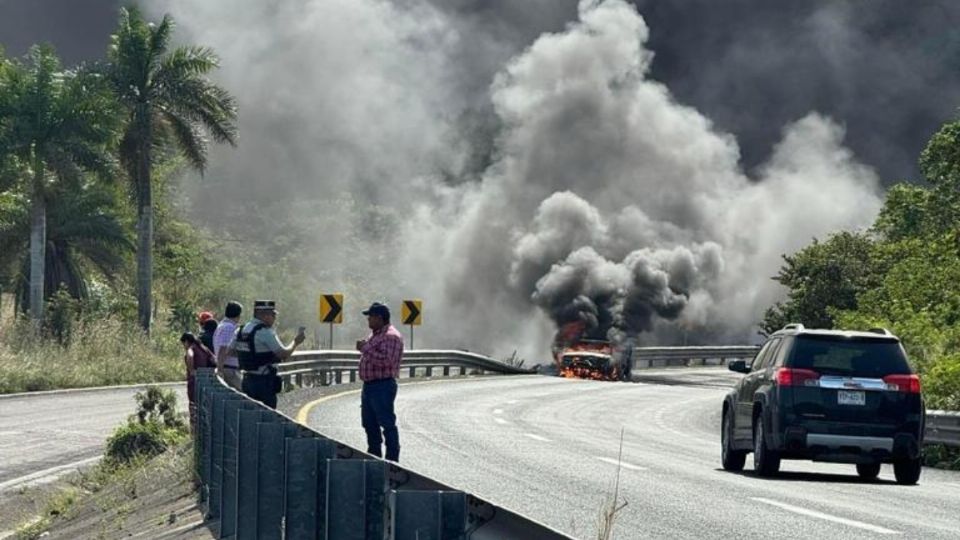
821,277
55,126
169,104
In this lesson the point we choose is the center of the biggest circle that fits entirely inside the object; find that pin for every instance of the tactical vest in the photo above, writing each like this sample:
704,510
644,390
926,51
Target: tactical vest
250,359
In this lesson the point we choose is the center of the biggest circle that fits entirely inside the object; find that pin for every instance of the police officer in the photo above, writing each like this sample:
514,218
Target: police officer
258,350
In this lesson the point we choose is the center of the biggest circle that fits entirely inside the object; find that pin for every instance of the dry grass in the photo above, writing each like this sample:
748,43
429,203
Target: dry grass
612,504
99,353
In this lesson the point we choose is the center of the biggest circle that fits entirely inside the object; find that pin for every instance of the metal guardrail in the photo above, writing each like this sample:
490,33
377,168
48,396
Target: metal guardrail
337,366
653,357
264,476
943,427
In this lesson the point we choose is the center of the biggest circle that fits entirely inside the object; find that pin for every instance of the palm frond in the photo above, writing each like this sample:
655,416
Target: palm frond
189,139
160,37
207,104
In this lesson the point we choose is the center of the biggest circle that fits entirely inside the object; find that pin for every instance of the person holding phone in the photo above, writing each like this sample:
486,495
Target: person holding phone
259,350
380,356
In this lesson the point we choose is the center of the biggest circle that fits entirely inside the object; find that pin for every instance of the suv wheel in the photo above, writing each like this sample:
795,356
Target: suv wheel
766,462
868,470
907,471
733,460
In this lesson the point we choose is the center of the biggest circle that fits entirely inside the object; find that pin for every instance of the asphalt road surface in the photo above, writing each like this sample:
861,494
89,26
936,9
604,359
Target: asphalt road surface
548,447
48,434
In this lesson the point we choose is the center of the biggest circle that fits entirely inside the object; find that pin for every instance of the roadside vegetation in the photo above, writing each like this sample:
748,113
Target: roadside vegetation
903,274
152,444
98,272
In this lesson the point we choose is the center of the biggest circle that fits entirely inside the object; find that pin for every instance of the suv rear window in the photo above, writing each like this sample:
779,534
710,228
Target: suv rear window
850,357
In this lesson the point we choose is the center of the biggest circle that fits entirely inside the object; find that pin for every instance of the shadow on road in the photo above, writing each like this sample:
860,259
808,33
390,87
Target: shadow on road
815,477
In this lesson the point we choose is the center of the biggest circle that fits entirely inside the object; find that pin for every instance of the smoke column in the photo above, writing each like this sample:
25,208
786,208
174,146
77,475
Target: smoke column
569,185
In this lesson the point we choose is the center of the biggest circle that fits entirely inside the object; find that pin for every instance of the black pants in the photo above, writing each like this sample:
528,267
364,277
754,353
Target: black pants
376,414
261,388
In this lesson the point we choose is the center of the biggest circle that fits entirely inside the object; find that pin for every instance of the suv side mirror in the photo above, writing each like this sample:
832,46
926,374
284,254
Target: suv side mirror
740,366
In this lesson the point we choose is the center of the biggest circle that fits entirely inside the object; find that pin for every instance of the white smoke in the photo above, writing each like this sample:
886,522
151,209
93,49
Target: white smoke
602,194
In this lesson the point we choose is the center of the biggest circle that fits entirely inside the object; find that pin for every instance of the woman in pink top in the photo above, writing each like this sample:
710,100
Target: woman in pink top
196,355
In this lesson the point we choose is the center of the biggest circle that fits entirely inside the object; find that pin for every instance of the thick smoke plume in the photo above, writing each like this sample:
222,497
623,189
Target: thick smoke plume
531,186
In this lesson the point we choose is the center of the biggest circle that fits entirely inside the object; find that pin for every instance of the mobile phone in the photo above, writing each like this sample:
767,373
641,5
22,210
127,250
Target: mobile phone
302,331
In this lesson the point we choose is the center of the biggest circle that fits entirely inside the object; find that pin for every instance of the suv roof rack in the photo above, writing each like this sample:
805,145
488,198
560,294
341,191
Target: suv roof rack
793,326
881,331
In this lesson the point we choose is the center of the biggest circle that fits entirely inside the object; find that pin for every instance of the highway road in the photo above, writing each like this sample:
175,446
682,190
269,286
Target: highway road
548,447
46,434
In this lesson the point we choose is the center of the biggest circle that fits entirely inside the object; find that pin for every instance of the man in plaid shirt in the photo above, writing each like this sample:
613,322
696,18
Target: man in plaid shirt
380,356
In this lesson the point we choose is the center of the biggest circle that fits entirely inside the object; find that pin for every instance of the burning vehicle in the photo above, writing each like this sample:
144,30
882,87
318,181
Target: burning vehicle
594,359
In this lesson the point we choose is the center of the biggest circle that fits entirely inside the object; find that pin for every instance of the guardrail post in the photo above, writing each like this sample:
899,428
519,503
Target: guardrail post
305,501
353,485
429,371
248,489
353,375
446,371
338,376
271,450
211,395
413,372
428,515
231,444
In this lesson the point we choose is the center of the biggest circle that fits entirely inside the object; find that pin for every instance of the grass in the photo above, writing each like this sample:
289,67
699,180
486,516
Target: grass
611,504
98,353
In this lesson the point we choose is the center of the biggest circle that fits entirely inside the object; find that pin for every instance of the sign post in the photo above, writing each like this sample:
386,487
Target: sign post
331,311
411,313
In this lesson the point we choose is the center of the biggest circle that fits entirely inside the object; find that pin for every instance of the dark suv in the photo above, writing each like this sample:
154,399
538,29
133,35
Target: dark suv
826,395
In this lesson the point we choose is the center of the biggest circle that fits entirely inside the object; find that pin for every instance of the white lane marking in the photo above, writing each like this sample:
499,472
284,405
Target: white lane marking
500,421
9,433
45,474
513,401
537,437
827,517
622,464
498,411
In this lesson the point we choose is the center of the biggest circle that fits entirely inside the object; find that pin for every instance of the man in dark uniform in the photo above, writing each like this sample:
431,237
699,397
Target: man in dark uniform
258,350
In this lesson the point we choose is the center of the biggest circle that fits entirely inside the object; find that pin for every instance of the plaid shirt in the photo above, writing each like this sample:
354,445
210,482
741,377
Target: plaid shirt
380,356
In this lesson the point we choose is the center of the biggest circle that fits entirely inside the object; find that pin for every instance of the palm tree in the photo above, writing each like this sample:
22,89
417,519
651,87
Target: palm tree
53,126
170,103
84,233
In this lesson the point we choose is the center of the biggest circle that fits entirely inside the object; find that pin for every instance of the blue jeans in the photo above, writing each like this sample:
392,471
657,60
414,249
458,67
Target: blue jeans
376,414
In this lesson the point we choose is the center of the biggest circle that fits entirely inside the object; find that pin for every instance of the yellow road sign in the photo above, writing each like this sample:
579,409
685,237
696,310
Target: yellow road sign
411,312
331,308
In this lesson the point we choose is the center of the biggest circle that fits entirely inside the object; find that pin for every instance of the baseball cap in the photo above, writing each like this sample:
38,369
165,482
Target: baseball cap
377,308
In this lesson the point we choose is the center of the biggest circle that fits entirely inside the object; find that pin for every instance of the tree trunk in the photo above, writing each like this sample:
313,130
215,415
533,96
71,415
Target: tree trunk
144,225
38,246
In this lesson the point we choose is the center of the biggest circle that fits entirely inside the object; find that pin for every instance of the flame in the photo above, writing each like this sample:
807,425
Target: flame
586,373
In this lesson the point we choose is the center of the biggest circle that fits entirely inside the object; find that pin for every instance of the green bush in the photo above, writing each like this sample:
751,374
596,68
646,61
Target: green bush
158,406
137,441
941,383
151,431
941,457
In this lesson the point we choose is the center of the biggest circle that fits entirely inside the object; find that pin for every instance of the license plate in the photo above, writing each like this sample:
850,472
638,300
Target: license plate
848,397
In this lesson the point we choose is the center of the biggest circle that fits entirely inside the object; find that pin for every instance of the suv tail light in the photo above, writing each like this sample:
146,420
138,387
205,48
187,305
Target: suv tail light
909,384
797,377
